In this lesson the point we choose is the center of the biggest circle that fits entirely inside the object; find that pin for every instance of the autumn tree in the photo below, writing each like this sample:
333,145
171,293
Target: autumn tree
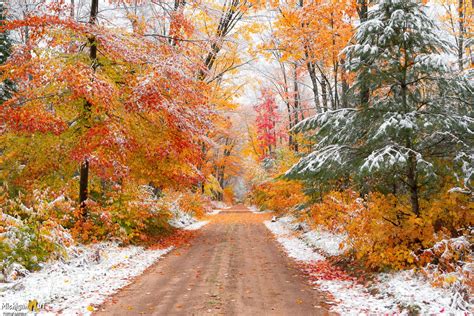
122,107
267,123
331,24
459,19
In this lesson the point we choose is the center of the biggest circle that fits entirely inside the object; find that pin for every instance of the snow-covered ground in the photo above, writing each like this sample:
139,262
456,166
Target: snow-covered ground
402,292
294,247
326,242
90,274
255,210
185,220
214,212
195,226
219,205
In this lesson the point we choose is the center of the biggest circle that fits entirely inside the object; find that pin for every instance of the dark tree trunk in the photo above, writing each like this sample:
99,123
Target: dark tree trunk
345,86
314,82
413,184
227,22
296,104
461,34
364,89
290,125
324,94
84,173
71,13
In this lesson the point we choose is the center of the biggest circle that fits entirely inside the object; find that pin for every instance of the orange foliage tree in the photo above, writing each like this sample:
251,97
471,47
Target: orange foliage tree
130,108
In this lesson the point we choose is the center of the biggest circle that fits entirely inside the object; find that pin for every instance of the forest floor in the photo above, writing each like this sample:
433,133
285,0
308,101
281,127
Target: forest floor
233,267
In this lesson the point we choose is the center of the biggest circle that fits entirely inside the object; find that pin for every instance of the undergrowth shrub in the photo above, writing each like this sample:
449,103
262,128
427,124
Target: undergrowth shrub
41,226
193,203
129,215
28,235
384,234
277,195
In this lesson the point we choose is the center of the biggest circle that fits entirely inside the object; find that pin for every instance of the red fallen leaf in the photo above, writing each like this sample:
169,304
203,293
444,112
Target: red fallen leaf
324,270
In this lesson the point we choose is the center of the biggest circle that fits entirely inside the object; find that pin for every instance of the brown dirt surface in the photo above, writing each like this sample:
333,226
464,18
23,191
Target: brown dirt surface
232,267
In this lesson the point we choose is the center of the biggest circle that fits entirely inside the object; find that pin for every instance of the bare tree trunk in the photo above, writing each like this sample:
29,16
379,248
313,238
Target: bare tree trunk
290,125
84,172
314,82
71,13
228,20
345,85
412,174
461,34
413,183
362,10
335,103
288,105
296,103
324,94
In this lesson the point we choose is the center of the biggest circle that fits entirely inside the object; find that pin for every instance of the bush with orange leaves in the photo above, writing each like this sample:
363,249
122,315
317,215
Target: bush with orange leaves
383,233
277,195
193,203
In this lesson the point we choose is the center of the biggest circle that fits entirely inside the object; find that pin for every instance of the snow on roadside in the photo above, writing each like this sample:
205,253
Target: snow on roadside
255,210
214,212
409,289
197,225
185,220
347,295
326,242
220,205
293,246
390,292
88,277
354,299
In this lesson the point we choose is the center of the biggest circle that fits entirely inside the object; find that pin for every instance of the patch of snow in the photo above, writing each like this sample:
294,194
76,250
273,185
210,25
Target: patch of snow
220,205
184,220
91,274
253,209
325,241
293,246
181,219
293,224
214,212
354,299
256,210
409,289
197,225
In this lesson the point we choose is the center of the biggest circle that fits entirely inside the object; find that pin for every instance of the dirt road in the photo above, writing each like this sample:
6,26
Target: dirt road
234,267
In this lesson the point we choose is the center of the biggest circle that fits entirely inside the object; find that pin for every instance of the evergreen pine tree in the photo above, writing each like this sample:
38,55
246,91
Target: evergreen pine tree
418,122
5,46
